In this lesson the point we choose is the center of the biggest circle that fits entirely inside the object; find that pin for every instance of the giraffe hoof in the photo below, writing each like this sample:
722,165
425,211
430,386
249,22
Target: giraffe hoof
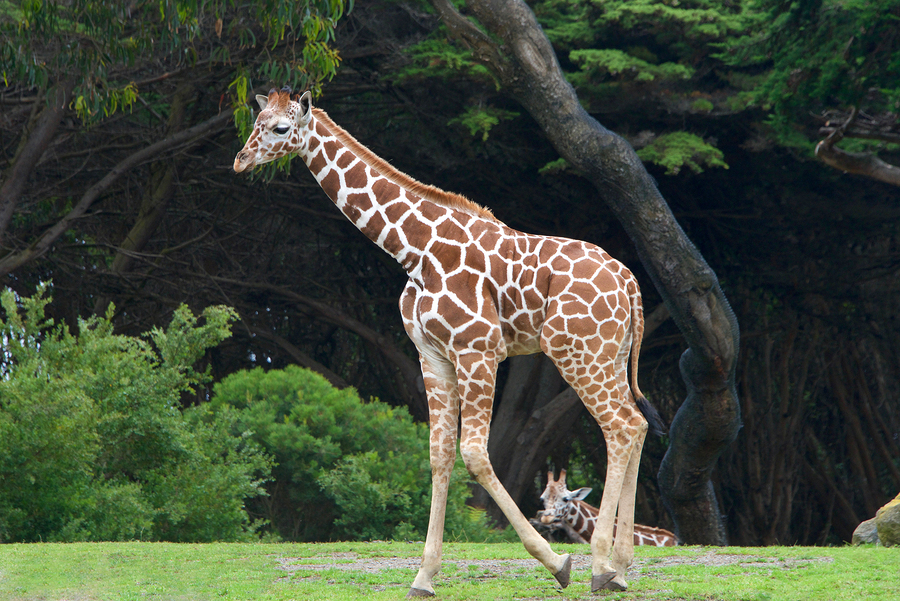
418,592
606,582
562,576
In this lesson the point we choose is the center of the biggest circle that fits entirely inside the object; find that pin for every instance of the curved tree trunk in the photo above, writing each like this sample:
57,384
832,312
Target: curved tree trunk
709,419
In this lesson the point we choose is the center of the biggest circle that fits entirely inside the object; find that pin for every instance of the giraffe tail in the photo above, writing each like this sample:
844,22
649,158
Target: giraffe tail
657,427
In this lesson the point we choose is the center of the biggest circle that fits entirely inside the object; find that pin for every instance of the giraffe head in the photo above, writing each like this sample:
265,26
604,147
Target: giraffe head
557,498
281,128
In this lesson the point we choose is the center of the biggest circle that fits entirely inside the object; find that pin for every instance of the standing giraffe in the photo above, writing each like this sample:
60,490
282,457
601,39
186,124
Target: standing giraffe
562,504
479,292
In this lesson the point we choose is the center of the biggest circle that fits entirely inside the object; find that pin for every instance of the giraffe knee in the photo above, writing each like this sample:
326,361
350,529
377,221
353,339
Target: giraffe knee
476,459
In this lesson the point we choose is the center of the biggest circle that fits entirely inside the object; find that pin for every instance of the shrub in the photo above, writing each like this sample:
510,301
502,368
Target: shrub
346,469
93,443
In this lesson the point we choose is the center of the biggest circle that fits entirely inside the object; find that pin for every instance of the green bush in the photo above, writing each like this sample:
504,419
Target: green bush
93,442
346,469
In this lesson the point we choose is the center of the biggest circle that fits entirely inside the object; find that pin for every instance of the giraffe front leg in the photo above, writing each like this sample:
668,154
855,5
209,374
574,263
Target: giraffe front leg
443,408
476,375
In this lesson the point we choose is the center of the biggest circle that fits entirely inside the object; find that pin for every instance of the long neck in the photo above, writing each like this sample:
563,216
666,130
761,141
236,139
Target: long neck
395,211
582,517
377,206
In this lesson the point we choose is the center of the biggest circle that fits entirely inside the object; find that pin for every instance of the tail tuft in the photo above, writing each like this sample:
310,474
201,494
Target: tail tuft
657,427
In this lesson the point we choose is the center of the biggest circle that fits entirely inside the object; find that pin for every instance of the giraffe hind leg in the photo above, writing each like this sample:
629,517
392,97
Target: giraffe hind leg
600,380
611,576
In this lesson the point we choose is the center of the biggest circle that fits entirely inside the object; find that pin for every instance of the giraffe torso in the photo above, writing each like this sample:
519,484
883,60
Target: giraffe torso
485,287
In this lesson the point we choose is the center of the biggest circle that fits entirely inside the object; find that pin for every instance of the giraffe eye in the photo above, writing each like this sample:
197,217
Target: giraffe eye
281,130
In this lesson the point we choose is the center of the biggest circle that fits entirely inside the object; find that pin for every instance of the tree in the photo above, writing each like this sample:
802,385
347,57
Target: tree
829,75
525,63
807,256
91,52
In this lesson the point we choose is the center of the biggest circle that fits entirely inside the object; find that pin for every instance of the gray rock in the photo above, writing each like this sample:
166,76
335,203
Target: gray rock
866,533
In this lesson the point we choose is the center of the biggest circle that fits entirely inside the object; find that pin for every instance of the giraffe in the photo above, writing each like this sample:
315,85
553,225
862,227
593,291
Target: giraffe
562,504
479,292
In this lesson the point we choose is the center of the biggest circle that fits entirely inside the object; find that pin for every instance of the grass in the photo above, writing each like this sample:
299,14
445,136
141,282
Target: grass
338,571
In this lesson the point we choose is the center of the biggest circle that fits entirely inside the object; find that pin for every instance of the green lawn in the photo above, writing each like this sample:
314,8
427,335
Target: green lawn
281,572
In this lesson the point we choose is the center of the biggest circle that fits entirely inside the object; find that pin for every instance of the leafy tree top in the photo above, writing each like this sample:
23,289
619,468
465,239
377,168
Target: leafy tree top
821,54
99,47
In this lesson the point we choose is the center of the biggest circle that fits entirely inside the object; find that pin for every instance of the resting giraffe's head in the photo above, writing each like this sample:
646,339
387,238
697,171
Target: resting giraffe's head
557,498
280,128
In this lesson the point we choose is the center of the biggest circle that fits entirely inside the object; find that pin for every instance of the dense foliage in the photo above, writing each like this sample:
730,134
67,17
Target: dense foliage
820,55
86,44
94,444
345,470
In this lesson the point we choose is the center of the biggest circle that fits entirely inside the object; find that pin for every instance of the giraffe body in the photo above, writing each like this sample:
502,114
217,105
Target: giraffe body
479,292
560,503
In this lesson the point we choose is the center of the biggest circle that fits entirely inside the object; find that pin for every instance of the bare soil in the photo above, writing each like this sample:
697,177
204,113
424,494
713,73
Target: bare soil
353,562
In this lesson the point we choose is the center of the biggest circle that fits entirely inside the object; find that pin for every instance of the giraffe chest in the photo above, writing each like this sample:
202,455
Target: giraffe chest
483,299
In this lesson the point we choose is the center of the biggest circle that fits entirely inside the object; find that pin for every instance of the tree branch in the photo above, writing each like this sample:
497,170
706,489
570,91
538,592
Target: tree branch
41,245
408,368
300,357
858,163
36,142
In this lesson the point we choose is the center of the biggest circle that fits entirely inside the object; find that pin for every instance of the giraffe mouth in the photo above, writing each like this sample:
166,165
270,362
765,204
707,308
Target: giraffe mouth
243,161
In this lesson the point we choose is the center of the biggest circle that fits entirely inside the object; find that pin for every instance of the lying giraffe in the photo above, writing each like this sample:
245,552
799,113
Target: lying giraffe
562,504
479,292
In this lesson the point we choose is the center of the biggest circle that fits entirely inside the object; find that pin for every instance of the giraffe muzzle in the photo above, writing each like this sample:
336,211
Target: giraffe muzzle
243,161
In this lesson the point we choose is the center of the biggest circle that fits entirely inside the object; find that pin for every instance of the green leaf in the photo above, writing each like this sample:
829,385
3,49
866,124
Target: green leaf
682,149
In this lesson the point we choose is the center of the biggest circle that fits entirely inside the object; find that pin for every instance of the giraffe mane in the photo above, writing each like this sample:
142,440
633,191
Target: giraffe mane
428,192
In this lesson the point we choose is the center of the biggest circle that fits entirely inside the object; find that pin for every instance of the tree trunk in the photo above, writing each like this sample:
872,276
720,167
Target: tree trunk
709,419
159,191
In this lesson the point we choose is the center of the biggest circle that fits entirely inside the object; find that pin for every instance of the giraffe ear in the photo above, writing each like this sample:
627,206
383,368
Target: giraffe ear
263,101
305,109
578,495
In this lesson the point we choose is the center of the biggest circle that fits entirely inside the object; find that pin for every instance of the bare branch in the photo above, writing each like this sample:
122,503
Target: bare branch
858,163
38,139
408,368
40,246
300,357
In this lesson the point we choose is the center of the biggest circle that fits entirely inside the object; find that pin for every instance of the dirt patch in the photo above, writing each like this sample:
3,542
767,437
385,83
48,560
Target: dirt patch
354,563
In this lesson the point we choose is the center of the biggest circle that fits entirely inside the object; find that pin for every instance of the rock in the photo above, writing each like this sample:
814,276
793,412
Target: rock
887,520
866,533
